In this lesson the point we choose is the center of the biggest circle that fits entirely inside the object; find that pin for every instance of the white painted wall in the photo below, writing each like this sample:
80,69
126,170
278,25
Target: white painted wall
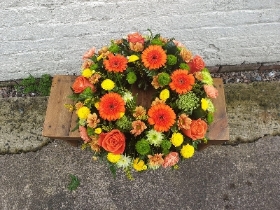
50,36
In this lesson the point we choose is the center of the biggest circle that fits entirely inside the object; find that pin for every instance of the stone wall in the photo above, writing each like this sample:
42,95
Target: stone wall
50,36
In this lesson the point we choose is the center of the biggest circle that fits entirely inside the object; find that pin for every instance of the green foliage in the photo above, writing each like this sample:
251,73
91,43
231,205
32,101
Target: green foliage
41,86
74,182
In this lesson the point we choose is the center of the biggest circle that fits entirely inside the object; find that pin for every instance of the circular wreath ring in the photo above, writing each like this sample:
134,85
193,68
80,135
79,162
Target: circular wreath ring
143,102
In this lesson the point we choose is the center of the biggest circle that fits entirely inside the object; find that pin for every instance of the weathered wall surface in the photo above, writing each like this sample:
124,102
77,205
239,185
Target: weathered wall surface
50,36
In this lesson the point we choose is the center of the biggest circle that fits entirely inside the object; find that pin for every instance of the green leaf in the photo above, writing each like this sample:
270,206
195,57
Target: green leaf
113,170
74,183
171,47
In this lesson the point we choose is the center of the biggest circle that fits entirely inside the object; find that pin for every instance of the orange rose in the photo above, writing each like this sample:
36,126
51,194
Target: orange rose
135,37
80,84
197,129
196,64
113,141
210,91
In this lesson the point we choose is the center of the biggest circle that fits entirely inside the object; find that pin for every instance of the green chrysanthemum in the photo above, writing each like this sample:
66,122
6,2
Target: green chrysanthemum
114,48
156,42
127,96
210,107
206,77
210,117
154,137
171,60
188,102
124,123
165,145
163,79
143,147
131,77
124,162
184,66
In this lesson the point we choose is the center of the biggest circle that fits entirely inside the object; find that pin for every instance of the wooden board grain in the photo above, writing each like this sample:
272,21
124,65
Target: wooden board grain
58,119
59,122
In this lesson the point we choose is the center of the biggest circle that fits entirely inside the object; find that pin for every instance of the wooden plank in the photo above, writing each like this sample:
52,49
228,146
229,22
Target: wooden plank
218,131
59,122
58,118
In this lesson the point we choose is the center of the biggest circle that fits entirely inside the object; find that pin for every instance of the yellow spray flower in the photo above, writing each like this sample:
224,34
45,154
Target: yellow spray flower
70,107
87,73
121,114
204,104
187,151
107,84
164,94
97,130
177,139
113,158
133,58
96,105
83,112
100,57
139,165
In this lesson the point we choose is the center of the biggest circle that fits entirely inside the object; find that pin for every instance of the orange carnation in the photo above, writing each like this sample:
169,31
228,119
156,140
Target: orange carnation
80,84
197,129
113,141
135,38
83,134
111,106
115,63
171,159
196,64
182,82
210,91
89,53
154,57
162,117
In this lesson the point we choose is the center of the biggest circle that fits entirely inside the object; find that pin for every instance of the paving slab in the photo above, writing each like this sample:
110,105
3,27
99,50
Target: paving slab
21,121
239,177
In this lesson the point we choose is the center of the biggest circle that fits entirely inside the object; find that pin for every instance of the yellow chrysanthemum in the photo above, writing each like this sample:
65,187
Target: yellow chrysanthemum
83,112
113,158
87,73
177,139
204,104
97,130
107,84
139,165
133,58
187,151
164,94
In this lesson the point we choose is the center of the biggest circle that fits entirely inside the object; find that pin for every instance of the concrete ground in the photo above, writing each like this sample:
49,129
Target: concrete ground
35,170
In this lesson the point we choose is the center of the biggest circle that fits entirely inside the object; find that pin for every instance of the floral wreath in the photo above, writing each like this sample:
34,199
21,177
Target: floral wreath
126,134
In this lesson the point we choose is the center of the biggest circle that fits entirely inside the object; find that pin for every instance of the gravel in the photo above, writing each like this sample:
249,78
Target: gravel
8,90
248,76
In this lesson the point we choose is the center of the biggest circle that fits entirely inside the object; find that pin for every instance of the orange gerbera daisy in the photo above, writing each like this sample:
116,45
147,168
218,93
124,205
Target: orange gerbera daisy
182,82
115,63
154,57
162,117
111,106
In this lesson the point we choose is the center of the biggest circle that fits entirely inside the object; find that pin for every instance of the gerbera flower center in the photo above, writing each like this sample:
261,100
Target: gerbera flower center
181,81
